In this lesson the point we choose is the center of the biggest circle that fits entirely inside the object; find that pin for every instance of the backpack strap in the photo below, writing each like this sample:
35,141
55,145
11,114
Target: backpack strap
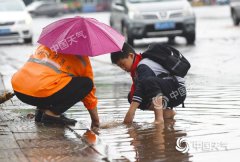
175,80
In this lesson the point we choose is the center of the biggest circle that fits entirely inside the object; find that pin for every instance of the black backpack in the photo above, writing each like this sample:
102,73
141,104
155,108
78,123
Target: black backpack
170,58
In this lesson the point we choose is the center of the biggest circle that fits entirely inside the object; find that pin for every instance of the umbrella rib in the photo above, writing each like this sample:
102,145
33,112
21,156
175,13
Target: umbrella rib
54,30
105,33
88,39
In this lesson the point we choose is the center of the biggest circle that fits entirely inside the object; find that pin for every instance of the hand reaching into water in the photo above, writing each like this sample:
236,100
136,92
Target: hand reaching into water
95,127
131,113
95,119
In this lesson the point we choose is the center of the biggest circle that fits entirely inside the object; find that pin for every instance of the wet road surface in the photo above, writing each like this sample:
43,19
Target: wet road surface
206,129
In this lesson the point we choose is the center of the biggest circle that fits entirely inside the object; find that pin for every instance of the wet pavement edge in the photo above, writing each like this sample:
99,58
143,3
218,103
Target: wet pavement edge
23,140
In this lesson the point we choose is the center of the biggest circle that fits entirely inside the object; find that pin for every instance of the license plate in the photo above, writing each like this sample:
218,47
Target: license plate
4,31
164,25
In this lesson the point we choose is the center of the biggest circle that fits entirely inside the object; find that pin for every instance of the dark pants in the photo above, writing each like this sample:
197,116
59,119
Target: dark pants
173,93
61,101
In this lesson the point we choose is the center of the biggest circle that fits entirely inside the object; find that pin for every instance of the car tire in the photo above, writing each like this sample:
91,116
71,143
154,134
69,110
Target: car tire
235,18
52,15
190,38
111,23
171,40
28,40
128,39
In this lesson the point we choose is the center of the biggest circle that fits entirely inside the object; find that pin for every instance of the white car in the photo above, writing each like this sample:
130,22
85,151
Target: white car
15,22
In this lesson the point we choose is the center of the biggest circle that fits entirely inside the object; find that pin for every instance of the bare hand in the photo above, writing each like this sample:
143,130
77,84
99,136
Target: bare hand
94,116
128,119
95,127
131,112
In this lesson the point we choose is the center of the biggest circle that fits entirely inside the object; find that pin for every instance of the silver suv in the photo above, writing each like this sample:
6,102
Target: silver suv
137,19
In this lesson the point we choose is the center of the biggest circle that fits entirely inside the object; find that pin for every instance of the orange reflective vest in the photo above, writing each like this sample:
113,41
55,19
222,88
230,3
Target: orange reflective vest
46,72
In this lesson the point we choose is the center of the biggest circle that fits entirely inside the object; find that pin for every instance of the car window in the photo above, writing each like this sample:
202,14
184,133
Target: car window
145,1
43,6
34,5
11,6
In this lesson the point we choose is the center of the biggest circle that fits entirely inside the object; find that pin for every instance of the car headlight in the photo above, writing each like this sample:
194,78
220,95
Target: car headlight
28,19
133,14
188,11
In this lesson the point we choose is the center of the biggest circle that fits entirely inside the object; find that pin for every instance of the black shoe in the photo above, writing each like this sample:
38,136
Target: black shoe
47,119
73,121
38,115
62,120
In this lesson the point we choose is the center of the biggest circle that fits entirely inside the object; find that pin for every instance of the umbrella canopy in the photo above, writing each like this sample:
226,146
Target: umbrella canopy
81,36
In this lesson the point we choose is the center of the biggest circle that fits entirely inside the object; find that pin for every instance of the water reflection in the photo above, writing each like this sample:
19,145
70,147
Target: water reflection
156,142
142,141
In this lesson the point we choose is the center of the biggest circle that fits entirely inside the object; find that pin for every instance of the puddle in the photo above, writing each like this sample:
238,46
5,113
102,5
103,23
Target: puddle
208,124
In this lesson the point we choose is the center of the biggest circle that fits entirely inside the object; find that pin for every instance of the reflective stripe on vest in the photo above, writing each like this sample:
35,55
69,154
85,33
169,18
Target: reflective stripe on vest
82,60
48,64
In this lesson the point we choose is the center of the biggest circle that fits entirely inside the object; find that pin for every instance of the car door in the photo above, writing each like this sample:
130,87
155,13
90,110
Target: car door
42,9
117,14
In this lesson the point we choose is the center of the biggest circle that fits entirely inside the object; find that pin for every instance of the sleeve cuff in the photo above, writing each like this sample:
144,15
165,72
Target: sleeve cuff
137,99
90,106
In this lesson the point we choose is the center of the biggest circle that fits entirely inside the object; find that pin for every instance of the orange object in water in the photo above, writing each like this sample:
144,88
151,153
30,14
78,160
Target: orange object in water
47,72
90,137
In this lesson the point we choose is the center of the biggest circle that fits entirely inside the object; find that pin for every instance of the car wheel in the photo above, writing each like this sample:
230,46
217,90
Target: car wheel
190,37
33,15
128,39
52,14
235,18
111,23
28,40
171,40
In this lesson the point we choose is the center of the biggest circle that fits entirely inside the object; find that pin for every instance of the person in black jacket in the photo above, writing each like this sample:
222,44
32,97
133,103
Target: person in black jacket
153,88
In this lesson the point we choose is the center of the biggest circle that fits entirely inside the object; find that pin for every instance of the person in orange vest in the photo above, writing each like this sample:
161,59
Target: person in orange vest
54,82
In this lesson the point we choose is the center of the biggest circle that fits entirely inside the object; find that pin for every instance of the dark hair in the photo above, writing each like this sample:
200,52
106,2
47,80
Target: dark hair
126,50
